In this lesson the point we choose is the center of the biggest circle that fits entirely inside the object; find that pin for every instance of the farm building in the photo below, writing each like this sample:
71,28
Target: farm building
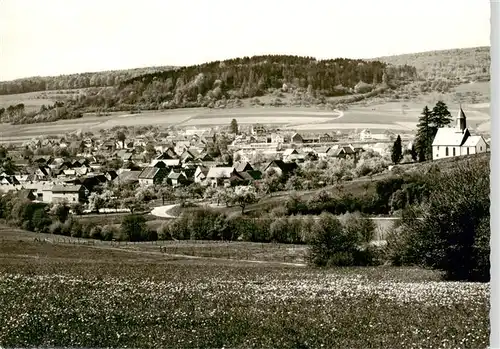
152,175
457,141
69,193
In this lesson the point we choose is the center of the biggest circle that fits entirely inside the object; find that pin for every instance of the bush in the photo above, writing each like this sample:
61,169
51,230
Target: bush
96,233
334,243
134,227
109,232
163,231
453,234
55,228
359,224
76,229
41,220
330,244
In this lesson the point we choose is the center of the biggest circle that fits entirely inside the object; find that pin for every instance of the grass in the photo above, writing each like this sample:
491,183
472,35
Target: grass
70,296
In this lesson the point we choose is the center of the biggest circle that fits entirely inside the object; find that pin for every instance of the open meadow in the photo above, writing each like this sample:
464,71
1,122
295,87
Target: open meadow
69,295
375,114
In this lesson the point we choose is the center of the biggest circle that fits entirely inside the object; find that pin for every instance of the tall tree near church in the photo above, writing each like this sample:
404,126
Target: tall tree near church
441,116
397,151
423,142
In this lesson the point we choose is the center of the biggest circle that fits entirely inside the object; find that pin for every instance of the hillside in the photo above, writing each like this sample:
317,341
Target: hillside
466,64
272,80
73,81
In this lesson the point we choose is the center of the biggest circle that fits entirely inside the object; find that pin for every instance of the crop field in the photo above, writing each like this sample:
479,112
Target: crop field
80,296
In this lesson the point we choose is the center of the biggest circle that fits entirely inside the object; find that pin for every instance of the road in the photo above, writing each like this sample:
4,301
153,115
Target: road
162,211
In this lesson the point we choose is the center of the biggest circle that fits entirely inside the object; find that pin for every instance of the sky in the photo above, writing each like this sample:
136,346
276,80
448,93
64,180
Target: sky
53,37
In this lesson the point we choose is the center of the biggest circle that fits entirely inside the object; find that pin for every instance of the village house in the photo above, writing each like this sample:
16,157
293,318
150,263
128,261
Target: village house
296,139
68,193
280,167
200,174
218,176
166,163
152,175
290,155
258,130
457,141
176,179
127,177
326,138
365,135
277,138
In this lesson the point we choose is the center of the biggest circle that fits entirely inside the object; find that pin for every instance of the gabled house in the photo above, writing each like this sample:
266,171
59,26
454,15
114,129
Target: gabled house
152,175
69,193
326,138
168,154
281,167
27,194
189,154
125,155
322,152
167,163
217,176
200,174
176,179
296,138
277,138
127,177
290,155
242,166
258,130
110,175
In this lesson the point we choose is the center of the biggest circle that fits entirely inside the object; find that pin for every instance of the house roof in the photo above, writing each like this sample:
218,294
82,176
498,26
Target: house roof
128,176
149,173
288,152
66,188
176,175
220,172
283,166
241,166
25,193
169,162
450,136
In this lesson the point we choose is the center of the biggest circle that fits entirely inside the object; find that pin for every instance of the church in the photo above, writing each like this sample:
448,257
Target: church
457,141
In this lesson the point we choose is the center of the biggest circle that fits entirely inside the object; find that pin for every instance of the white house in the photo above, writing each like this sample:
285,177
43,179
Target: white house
365,134
457,141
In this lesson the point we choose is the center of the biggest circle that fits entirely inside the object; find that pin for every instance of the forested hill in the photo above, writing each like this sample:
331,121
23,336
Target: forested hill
255,76
469,64
73,81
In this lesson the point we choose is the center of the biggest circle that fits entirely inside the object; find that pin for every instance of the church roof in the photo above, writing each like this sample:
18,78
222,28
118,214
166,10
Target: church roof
448,136
461,114
472,141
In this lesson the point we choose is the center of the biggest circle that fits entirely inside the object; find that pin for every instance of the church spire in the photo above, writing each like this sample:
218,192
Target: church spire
461,120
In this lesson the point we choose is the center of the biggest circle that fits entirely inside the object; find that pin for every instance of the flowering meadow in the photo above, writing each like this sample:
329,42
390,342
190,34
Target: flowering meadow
77,296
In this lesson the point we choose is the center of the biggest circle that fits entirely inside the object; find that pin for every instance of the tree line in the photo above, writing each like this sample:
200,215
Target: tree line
72,81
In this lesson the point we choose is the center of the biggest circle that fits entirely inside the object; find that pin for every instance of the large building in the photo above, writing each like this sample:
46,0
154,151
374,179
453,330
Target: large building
457,141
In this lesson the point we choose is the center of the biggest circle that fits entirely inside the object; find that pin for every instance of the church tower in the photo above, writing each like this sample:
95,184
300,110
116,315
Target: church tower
461,121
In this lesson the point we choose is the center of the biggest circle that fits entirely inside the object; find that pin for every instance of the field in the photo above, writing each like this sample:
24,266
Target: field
34,100
377,115
57,295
